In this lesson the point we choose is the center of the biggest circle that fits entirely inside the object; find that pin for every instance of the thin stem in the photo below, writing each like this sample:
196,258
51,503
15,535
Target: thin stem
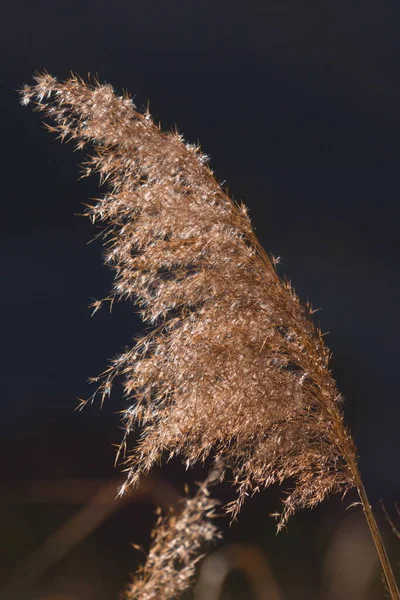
376,536
367,508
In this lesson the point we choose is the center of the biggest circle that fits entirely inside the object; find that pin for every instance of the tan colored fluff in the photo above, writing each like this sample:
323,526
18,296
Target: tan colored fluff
177,542
233,365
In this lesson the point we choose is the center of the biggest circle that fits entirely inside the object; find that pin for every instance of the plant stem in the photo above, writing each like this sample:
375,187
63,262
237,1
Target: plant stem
367,508
376,536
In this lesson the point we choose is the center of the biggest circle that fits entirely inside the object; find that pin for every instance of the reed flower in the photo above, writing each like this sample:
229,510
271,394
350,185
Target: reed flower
232,366
177,542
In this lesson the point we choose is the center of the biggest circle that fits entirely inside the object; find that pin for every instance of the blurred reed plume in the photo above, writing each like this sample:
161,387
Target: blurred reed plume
233,366
176,548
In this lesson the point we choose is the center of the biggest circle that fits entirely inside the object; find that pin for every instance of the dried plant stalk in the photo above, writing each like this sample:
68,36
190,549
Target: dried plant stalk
233,364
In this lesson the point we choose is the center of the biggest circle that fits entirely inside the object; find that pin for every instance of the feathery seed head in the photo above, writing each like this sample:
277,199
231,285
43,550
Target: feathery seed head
177,541
233,365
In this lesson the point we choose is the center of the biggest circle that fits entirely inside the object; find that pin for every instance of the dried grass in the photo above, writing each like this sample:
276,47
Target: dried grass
233,366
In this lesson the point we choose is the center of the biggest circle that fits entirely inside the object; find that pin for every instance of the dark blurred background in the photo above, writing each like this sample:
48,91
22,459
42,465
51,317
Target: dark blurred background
298,106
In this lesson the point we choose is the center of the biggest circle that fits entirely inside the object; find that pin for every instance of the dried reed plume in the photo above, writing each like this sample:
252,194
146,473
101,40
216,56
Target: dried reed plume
177,542
233,366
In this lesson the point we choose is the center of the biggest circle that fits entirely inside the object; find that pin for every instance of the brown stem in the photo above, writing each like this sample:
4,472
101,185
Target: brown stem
376,536
367,508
